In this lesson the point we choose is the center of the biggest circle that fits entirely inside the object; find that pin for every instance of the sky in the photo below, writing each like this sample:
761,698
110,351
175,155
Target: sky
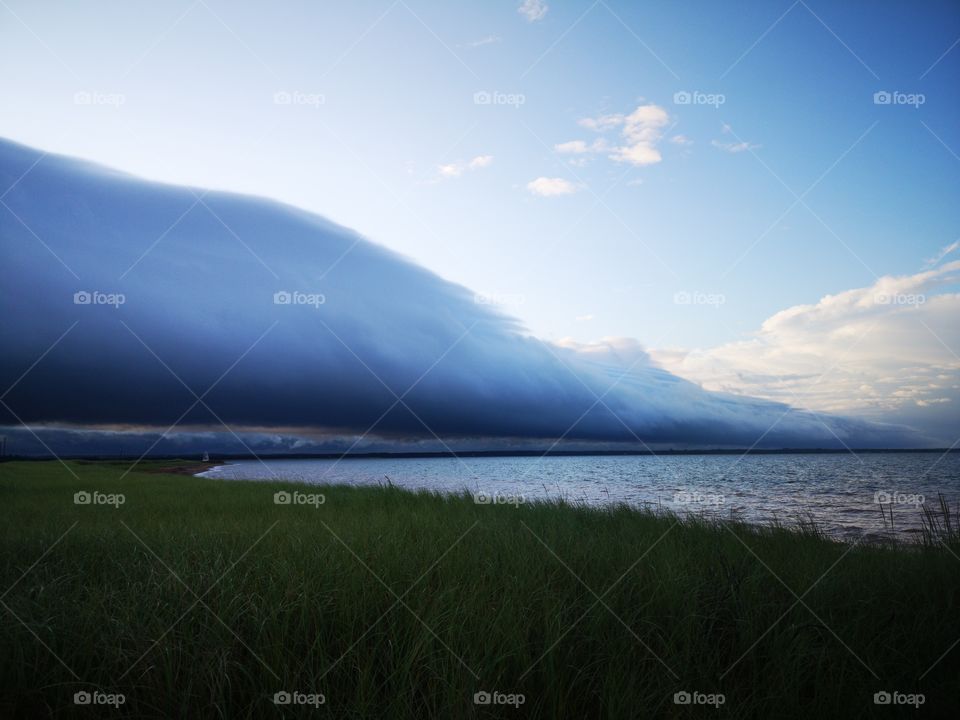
747,190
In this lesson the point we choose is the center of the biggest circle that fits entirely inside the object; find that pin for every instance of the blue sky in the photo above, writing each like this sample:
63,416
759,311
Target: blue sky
383,134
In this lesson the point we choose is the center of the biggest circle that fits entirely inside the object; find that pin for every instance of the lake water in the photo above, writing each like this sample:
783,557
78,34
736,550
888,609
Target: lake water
843,494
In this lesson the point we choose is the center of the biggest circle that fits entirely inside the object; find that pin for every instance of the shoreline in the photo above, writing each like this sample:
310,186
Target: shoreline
192,470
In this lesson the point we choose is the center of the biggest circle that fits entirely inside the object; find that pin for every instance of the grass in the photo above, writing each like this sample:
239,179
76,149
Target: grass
200,598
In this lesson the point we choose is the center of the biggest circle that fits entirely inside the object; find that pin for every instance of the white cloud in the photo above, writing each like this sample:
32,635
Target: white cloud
642,129
681,140
884,352
641,132
549,187
580,147
574,146
637,154
533,10
453,170
480,161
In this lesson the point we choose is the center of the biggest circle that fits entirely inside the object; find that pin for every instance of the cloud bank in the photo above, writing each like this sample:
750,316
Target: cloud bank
885,352
125,301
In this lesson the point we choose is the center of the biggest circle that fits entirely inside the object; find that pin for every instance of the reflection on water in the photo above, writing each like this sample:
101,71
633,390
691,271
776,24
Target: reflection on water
843,494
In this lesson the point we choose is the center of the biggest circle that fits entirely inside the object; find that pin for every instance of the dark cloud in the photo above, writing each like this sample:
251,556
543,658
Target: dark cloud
198,281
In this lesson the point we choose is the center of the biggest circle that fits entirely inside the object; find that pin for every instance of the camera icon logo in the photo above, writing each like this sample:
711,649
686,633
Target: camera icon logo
482,498
82,698
282,698
282,497
482,97
282,297
882,698
82,498
882,497
482,698
82,298
682,98
282,97
682,698
882,97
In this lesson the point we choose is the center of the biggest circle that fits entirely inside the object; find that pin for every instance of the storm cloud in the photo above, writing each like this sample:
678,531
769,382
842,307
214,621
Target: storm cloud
125,301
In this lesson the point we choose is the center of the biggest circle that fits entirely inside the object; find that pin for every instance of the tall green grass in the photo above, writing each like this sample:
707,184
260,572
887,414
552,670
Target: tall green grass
395,604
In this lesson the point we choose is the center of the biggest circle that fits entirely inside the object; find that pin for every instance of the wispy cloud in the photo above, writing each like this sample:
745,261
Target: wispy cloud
601,122
944,251
488,40
739,145
734,147
533,10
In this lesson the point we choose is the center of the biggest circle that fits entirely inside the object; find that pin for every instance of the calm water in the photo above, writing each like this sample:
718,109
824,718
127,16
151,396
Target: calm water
839,492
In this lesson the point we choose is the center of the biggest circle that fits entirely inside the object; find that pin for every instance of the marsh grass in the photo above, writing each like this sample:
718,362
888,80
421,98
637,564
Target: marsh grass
492,597
941,525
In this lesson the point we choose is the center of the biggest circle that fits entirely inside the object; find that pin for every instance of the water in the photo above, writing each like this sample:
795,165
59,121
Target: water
838,492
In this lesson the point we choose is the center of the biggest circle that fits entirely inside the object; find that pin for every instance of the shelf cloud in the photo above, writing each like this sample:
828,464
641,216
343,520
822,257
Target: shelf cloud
134,307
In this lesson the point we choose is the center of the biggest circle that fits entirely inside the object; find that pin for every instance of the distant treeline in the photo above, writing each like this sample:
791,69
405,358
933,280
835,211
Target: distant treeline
215,457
